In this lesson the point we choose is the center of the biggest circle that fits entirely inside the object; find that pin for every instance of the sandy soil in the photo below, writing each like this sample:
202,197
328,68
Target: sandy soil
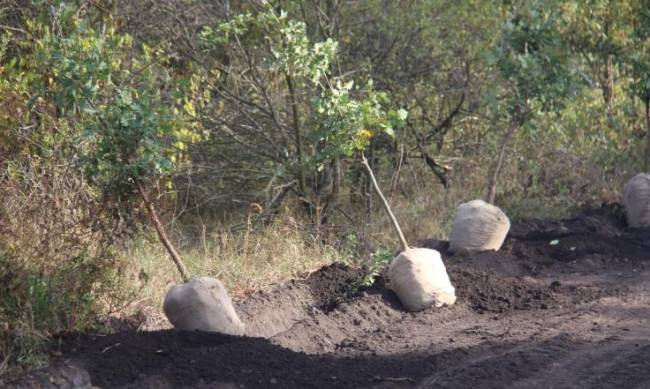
564,304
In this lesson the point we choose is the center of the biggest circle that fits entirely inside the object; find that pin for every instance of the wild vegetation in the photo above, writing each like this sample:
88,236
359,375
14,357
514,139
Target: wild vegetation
236,128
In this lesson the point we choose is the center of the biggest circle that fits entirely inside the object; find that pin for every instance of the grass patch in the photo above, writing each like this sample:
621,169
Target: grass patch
243,261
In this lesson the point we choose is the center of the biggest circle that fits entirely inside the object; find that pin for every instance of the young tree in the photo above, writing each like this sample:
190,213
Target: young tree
537,66
342,118
639,59
276,50
612,39
597,31
127,132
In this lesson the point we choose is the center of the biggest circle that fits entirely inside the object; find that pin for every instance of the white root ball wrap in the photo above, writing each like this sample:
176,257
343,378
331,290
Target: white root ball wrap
203,304
478,226
419,278
637,201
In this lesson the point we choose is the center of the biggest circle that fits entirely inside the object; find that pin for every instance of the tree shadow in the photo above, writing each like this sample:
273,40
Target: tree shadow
172,359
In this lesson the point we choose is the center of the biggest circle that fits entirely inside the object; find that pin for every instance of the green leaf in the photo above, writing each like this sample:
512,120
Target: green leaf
402,114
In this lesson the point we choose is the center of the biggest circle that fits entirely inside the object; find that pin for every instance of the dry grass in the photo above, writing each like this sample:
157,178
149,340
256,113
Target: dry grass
56,269
244,261
259,255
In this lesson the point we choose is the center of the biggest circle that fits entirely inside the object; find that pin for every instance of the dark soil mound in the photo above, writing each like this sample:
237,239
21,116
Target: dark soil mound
486,292
594,241
334,284
606,220
562,304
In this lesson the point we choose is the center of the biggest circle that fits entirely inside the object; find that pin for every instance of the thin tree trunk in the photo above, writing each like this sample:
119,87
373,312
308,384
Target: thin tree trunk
395,180
297,133
393,220
367,196
608,78
647,121
608,88
161,233
493,178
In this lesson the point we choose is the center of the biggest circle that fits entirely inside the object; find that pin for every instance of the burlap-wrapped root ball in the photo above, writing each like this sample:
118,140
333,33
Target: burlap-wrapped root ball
637,201
478,226
419,278
203,304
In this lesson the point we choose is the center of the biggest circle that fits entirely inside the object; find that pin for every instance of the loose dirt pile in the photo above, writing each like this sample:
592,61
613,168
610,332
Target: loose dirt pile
563,304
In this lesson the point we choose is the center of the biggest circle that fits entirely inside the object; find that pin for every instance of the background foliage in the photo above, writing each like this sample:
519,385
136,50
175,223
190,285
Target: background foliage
244,120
